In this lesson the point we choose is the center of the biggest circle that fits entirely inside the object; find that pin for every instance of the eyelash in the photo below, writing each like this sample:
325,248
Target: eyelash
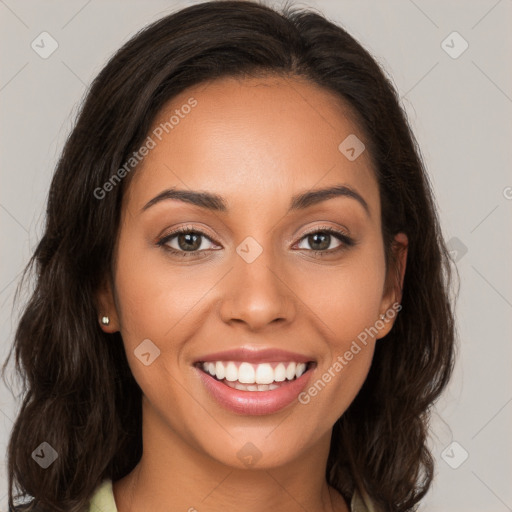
345,240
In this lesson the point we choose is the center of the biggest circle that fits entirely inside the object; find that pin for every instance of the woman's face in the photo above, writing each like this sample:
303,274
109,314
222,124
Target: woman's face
257,269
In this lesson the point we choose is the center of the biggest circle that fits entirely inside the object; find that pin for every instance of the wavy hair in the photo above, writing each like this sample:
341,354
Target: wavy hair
78,392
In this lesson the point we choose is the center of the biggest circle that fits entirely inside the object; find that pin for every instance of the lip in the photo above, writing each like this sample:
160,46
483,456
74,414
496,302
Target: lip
255,402
256,356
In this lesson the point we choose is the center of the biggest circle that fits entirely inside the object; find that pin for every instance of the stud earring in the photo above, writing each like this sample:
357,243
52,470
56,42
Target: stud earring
382,317
105,320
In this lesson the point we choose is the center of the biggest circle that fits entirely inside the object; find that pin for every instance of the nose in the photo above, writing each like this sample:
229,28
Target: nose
257,294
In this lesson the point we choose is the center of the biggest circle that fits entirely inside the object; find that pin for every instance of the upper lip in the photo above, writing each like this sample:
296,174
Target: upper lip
255,355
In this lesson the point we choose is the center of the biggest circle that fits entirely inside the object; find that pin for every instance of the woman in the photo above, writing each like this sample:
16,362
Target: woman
242,295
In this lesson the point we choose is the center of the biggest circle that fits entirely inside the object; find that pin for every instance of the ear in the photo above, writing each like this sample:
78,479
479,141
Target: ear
392,297
106,306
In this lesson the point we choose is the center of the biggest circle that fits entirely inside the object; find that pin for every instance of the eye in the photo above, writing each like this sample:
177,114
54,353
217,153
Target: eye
321,238
185,241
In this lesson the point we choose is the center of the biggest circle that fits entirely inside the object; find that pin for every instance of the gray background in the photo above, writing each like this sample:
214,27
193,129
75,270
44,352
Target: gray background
460,110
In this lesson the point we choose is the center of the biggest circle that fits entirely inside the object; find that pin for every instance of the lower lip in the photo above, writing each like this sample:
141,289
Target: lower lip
255,402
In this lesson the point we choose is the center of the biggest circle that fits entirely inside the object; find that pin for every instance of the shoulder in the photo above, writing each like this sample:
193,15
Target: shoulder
103,497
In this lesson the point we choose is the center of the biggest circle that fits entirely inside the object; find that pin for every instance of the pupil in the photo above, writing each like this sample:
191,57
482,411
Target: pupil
324,244
188,237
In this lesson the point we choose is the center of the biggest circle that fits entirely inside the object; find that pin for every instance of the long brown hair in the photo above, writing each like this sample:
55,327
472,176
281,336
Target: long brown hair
79,395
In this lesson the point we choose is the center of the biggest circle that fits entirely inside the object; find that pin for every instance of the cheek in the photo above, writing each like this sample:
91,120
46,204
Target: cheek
161,302
347,301
152,306
347,298
154,296
349,307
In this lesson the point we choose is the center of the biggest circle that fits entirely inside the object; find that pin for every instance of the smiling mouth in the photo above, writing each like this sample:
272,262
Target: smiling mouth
245,376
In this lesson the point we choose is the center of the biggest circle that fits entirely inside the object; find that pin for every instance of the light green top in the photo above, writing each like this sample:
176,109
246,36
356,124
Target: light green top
103,500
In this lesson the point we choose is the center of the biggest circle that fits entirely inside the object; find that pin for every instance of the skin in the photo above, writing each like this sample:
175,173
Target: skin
257,142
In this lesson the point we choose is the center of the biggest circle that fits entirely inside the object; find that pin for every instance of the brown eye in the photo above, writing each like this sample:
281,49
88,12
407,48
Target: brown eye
321,240
186,242
189,241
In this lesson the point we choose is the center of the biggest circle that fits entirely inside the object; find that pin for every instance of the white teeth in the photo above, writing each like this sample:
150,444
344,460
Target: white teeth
301,368
252,387
280,372
259,374
264,374
231,372
246,374
220,373
290,371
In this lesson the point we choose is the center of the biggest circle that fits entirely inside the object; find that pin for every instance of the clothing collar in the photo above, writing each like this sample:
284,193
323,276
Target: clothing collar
103,500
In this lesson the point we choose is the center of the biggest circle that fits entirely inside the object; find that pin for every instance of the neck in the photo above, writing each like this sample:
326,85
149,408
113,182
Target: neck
174,475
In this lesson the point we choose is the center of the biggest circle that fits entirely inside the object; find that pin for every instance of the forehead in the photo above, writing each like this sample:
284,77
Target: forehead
254,139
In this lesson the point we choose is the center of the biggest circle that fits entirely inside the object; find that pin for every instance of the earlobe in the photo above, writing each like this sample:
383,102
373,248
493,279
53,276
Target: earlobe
106,308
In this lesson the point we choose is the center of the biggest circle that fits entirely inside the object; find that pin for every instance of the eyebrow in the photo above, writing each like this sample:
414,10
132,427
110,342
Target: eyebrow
217,203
